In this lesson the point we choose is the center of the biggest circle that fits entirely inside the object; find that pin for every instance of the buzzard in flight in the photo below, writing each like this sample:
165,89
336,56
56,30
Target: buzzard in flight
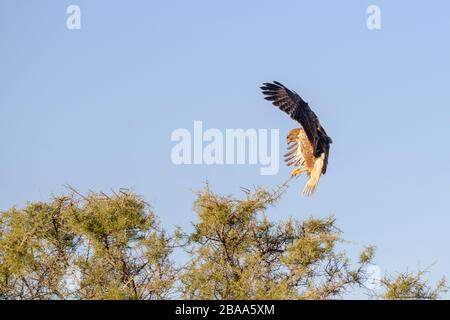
308,147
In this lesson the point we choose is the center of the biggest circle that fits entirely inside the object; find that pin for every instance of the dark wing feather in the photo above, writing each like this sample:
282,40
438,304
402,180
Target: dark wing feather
323,146
299,110
291,103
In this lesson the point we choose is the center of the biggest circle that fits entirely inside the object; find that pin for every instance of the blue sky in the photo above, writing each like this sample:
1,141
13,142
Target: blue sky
94,108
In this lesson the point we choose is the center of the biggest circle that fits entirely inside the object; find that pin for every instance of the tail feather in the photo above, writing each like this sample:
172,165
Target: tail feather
313,181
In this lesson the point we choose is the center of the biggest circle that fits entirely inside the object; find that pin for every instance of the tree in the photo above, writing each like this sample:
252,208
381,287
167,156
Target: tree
99,246
237,253
85,247
411,286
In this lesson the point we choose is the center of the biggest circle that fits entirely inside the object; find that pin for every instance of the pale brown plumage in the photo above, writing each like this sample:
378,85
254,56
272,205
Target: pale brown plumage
309,146
300,155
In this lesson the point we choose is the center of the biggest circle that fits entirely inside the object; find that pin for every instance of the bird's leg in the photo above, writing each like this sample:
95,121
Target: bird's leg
297,172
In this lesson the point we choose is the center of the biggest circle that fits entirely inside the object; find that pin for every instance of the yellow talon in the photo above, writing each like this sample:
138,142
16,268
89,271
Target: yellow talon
296,172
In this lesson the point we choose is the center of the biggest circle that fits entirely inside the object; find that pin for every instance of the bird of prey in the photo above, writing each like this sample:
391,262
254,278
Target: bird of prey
308,147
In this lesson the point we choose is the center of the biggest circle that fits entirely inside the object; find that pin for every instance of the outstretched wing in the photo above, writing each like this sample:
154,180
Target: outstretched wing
291,103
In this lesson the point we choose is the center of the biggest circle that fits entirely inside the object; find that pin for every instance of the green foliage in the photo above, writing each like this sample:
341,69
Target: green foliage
84,247
35,247
99,246
237,253
411,286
